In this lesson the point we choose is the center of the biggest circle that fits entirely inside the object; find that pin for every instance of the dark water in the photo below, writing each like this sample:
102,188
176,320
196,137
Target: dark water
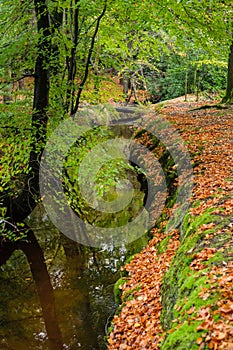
82,282
57,294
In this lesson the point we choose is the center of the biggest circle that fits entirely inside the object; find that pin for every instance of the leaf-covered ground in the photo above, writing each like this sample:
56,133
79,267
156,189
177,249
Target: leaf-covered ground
179,292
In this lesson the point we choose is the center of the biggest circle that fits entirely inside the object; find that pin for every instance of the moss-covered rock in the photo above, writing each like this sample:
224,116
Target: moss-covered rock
182,338
183,284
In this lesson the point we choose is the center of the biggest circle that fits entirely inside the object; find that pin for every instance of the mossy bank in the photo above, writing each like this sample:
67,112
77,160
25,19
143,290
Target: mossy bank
196,290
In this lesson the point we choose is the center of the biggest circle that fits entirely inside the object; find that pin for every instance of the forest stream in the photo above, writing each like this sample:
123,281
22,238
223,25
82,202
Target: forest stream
57,293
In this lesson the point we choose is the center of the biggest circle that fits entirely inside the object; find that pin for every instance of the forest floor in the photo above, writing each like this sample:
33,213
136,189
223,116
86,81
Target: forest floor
208,134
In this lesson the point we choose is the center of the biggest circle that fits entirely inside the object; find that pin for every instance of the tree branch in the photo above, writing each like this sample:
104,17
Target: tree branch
81,86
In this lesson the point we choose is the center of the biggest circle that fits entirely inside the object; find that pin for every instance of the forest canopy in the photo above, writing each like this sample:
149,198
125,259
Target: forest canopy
57,54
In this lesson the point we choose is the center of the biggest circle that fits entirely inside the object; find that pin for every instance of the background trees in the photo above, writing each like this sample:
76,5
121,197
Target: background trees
55,54
175,36
162,50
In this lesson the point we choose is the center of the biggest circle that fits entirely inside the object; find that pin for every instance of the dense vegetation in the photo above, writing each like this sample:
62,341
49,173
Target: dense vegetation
59,56
76,50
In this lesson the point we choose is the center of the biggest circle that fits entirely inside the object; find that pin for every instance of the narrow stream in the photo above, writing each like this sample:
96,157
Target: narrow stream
72,304
82,280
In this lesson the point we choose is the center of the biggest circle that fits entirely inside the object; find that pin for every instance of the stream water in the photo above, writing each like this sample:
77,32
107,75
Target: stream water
57,293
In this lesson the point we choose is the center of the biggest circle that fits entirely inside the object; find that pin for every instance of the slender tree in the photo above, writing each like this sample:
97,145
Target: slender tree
228,98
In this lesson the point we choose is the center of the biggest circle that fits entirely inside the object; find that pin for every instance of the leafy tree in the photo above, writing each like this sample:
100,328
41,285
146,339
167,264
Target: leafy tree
66,38
51,63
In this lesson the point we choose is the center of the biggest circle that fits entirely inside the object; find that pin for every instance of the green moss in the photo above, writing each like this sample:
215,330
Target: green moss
218,257
172,199
182,285
110,330
196,203
129,295
118,290
183,337
181,282
191,289
162,246
216,317
161,219
129,259
192,223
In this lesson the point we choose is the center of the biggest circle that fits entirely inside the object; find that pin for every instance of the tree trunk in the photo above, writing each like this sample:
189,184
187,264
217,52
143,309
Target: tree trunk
186,85
228,98
7,90
20,207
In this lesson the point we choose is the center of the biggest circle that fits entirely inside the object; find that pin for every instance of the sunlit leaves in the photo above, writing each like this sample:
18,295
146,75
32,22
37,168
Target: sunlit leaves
15,145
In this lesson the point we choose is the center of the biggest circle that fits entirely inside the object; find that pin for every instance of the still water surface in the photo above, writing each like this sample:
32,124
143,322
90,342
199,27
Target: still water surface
58,294
82,279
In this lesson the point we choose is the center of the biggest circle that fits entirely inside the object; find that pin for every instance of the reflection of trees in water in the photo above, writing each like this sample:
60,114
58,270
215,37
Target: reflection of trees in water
77,257
40,275
82,278
74,309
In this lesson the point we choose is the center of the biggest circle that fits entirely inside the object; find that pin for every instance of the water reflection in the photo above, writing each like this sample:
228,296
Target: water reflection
18,307
58,294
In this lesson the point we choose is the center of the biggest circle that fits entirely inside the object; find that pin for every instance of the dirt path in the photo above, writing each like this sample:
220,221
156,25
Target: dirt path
187,302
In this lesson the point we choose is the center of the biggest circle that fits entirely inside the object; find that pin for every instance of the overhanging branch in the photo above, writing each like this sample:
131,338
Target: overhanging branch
88,62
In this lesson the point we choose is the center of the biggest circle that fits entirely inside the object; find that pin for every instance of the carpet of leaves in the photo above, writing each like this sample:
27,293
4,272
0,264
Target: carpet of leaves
209,137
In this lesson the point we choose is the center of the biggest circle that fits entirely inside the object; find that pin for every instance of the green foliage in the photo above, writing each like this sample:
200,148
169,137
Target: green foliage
168,80
17,49
156,46
103,178
15,145
17,233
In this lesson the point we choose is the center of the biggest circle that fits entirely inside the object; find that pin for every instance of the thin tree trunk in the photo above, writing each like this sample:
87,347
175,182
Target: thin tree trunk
186,84
126,85
228,98
71,61
88,62
7,90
